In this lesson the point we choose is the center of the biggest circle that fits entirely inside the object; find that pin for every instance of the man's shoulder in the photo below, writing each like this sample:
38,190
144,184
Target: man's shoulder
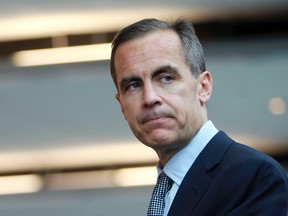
245,152
239,153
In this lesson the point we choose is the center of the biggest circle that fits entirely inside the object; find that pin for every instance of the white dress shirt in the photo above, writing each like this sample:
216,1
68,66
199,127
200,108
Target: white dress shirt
180,163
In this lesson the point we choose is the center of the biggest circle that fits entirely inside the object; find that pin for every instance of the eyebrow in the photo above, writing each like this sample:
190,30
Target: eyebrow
165,69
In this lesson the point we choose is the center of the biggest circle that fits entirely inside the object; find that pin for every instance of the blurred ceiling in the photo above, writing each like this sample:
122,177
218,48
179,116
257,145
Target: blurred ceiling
37,18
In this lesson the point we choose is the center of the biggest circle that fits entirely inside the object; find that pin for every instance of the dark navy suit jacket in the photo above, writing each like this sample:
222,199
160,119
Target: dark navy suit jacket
231,179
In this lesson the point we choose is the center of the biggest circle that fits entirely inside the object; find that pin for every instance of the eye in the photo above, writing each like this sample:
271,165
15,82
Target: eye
166,79
133,86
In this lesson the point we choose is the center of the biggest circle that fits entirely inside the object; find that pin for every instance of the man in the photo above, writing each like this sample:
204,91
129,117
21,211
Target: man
162,87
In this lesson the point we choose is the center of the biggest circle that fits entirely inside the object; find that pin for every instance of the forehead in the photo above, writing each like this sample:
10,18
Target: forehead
161,45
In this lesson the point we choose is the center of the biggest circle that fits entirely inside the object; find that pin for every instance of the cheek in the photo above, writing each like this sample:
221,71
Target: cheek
129,111
185,106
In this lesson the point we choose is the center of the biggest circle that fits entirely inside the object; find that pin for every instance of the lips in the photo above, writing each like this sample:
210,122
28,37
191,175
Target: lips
150,116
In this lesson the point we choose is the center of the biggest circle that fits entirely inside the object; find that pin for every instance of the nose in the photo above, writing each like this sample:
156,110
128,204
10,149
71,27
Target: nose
150,96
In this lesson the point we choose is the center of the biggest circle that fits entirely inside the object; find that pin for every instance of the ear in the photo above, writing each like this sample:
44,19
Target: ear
117,96
206,84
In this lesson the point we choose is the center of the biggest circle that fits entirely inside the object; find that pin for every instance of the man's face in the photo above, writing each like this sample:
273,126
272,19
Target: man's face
159,97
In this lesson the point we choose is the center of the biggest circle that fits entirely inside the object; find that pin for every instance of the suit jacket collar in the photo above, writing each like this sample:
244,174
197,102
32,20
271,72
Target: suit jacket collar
199,176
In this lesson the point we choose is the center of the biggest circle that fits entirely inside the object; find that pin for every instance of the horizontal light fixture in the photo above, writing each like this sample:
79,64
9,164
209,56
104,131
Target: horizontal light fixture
139,176
62,55
20,184
52,23
76,157
127,177
83,155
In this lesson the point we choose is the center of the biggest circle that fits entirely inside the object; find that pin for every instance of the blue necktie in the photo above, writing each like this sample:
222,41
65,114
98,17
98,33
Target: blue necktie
157,203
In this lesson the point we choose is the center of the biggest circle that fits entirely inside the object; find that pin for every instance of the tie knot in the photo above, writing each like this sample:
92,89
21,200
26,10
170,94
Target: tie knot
165,182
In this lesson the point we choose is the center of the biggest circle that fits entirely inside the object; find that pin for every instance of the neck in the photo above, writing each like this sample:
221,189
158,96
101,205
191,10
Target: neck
167,152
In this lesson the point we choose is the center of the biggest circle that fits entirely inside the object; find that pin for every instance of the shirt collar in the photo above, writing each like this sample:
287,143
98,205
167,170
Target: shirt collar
177,167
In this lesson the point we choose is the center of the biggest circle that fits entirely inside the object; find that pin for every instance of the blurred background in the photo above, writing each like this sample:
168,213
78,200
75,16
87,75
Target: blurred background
65,148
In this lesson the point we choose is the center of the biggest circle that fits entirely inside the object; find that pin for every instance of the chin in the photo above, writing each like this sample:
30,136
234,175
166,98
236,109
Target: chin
161,141
158,138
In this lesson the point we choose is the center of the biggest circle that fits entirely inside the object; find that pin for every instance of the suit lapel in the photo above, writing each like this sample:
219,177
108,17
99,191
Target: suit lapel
198,178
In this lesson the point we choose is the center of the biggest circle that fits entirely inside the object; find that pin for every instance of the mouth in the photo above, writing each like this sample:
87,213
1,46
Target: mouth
155,117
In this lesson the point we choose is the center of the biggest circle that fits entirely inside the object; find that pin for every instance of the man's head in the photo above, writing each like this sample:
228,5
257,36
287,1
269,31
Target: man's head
192,49
161,97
